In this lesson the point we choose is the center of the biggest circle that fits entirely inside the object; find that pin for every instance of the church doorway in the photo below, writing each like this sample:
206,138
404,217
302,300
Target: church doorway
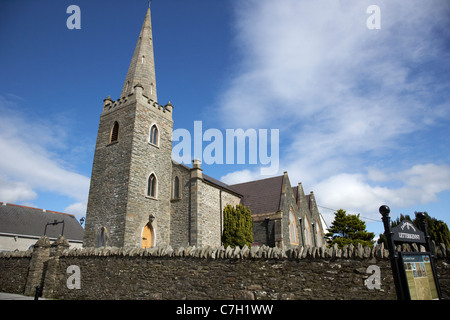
147,236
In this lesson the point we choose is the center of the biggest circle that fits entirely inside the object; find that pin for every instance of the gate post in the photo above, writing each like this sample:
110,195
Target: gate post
39,257
393,255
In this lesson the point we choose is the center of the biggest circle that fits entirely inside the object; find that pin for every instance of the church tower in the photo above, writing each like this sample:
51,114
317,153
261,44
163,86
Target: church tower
129,196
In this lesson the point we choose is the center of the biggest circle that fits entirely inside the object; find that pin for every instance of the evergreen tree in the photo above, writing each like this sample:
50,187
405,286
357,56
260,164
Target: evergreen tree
348,228
437,229
237,226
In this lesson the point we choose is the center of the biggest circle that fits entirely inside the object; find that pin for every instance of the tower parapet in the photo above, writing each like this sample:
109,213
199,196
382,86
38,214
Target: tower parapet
110,105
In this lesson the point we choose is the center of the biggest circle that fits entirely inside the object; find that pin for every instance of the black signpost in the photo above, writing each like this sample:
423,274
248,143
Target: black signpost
414,273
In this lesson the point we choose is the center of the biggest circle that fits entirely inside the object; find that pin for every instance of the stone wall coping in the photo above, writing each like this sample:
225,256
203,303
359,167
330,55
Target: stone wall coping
255,252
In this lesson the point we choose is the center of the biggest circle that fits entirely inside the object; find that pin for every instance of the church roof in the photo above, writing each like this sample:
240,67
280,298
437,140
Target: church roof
262,196
220,184
27,221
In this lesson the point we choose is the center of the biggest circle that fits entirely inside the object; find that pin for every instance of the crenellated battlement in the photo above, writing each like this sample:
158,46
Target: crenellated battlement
110,105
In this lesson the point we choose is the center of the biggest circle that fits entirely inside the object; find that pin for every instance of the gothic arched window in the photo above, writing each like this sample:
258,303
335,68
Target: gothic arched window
152,186
293,235
102,237
308,240
154,135
318,235
114,136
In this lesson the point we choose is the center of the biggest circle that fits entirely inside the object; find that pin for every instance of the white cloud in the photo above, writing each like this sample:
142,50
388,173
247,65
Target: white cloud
78,209
357,192
14,191
316,60
315,71
30,162
241,176
349,101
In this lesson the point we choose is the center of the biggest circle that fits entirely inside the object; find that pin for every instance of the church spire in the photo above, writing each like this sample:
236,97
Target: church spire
142,66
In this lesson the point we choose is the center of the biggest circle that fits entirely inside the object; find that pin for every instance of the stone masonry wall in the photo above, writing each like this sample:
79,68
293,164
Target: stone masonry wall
109,182
13,272
179,208
259,273
211,202
146,159
118,198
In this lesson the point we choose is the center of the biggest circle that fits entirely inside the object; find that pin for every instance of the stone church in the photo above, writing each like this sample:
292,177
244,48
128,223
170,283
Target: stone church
140,197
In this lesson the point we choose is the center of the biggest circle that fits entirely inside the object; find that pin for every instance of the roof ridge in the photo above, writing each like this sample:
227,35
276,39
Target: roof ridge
34,208
255,181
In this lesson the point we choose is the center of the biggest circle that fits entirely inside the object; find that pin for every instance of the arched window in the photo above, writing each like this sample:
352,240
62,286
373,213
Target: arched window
152,186
154,135
293,235
114,136
102,237
319,241
308,239
176,188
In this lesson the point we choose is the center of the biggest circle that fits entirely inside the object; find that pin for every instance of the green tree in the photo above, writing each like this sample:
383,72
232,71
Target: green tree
349,228
437,229
237,226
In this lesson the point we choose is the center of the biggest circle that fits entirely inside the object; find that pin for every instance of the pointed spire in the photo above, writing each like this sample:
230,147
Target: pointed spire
142,66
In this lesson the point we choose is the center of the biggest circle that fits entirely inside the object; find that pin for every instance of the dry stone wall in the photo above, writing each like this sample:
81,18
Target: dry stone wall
164,273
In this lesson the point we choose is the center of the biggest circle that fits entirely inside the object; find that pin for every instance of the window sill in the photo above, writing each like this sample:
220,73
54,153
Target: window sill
154,145
152,198
112,143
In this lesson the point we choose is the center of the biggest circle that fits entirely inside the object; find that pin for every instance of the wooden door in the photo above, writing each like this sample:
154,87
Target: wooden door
147,237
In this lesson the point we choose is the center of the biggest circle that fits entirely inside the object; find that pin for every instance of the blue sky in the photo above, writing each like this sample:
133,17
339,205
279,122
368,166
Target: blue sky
363,114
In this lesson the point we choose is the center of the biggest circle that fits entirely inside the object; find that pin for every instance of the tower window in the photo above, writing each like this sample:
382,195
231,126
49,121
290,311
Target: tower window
176,188
152,186
102,237
114,136
154,135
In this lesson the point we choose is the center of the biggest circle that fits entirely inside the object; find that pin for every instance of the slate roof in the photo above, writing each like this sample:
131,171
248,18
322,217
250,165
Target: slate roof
262,196
22,220
220,184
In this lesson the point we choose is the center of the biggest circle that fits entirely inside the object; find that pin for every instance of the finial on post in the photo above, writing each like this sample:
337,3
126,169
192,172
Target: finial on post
384,210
